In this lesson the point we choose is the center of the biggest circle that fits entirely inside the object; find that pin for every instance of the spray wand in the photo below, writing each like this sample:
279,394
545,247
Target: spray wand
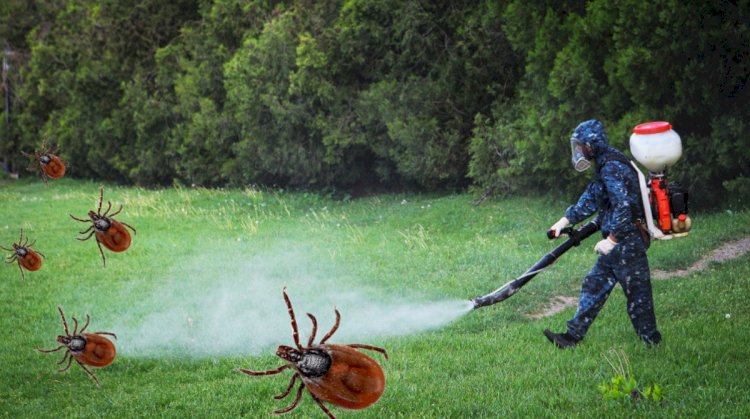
575,237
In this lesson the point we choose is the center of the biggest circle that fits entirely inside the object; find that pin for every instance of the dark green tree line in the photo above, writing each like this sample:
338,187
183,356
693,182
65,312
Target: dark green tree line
357,94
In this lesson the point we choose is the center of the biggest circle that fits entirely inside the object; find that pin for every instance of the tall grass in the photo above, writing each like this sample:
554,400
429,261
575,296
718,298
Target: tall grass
392,249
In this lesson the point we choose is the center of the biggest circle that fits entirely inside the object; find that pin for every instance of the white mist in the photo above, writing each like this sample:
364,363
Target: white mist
232,305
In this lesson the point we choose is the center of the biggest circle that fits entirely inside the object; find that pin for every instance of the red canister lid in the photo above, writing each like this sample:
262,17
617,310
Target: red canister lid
652,127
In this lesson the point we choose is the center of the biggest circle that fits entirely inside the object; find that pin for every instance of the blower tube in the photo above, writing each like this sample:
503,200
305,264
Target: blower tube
575,237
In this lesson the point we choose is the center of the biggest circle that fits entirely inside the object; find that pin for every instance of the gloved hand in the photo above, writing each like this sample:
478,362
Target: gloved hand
558,226
603,247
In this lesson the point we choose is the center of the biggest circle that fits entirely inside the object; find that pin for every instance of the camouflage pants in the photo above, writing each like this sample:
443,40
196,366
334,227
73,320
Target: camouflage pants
627,265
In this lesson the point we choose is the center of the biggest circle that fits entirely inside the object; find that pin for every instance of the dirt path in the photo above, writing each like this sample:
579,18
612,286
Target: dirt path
727,251
554,306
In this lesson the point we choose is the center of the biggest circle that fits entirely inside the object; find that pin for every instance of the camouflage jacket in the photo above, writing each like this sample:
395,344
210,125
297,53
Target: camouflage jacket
613,194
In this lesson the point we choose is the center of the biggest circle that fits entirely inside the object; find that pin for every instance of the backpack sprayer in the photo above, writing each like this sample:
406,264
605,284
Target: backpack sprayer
657,147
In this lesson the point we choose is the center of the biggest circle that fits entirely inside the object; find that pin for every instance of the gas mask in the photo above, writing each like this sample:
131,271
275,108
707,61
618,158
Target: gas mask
581,154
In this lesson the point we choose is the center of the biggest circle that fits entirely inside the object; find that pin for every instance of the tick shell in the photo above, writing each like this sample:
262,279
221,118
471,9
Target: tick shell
354,380
116,238
55,168
32,261
99,351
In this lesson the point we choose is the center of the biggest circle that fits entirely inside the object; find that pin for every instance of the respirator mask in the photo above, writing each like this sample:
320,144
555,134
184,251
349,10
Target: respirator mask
581,155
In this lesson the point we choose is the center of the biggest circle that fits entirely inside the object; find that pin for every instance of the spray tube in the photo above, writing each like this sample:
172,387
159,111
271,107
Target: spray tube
575,237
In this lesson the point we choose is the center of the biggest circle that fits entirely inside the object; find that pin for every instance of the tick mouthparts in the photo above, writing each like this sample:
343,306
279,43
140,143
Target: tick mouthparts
287,353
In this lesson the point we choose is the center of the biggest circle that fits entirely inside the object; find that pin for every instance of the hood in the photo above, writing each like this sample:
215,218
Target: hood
592,132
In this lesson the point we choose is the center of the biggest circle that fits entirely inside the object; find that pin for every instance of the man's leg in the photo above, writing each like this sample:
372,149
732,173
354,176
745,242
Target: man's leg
594,293
636,284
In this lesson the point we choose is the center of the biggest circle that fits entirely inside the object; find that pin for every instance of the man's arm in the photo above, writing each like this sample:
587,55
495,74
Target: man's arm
587,203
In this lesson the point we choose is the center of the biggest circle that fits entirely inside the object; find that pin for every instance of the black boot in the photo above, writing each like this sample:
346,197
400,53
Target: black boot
653,340
562,340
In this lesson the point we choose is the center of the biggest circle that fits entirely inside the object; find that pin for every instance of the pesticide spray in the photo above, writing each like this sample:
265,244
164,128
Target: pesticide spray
238,310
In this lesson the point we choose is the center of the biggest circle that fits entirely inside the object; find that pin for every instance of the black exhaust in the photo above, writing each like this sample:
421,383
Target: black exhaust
575,237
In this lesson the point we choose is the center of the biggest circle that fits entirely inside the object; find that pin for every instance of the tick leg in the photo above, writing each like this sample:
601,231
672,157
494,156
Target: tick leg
87,237
20,238
70,361
88,320
33,242
372,348
128,226
294,403
314,329
323,407
288,389
64,358
104,259
51,350
87,230
105,333
109,207
75,325
6,249
41,254
116,212
65,324
91,374
23,276
79,219
101,197
294,322
333,329
260,373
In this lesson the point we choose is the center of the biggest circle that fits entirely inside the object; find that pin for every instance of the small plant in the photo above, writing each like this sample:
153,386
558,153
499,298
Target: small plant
623,384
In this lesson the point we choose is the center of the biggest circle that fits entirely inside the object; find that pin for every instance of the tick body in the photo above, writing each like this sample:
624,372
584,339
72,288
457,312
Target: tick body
52,166
354,380
335,373
92,349
106,230
47,162
27,258
114,236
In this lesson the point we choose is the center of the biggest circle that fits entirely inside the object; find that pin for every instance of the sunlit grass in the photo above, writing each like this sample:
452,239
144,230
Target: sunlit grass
491,363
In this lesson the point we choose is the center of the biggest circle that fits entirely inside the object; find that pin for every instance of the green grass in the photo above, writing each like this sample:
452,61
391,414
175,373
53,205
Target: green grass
490,363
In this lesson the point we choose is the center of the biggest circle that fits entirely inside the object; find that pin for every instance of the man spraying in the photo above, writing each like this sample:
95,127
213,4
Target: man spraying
614,195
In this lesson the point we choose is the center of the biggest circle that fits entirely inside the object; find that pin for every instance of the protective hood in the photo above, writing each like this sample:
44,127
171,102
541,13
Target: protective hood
588,137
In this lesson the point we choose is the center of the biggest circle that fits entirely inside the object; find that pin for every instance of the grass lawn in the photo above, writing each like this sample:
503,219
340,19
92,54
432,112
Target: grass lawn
199,293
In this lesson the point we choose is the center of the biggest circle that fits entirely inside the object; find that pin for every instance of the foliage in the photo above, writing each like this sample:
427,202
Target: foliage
357,94
279,101
623,383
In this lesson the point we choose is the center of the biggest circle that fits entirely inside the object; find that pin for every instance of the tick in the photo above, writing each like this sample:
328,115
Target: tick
85,348
47,162
106,230
27,258
333,373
